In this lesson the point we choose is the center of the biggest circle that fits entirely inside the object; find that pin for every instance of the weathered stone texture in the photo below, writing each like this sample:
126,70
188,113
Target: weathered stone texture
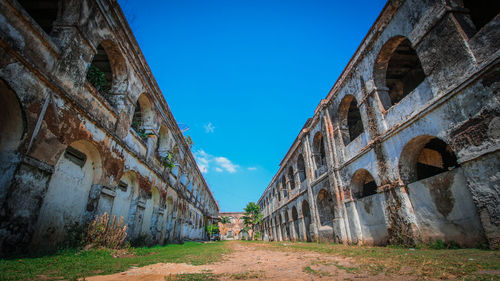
70,148
405,147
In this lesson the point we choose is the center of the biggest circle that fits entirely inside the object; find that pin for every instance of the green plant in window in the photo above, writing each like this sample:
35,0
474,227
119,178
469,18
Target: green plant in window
168,160
97,78
143,134
136,124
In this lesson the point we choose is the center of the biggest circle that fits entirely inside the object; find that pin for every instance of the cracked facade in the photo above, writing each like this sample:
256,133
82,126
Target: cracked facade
73,146
405,147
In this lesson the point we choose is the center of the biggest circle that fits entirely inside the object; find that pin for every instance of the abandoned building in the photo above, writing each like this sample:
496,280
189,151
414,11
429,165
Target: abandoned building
405,147
85,129
233,229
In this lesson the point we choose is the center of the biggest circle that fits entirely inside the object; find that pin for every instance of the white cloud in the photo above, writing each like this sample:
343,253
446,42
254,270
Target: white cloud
252,168
209,128
202,159
219,163
226,164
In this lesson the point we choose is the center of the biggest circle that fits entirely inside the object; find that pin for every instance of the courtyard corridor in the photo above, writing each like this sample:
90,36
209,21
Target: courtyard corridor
248,260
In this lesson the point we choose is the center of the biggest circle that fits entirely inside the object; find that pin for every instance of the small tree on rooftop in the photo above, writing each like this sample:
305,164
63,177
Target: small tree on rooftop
252,217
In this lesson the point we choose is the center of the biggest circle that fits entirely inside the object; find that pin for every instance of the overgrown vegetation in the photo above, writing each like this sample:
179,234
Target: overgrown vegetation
103,231
168,160
72,264
211,229
189,141
252,217
424,261
97,78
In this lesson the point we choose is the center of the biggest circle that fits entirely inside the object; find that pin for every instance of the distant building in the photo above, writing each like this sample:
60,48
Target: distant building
234,229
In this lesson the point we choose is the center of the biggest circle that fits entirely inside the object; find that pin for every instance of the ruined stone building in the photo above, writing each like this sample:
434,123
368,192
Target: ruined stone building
405,146
85,129
232,230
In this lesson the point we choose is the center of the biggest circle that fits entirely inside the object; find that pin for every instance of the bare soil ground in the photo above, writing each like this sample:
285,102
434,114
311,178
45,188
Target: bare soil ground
251,261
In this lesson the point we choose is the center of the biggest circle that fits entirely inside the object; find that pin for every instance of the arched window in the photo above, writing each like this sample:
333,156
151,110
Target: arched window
283,187
108,72
319,150
363,184
424,157
302,168
404,72
397,68
306,214
143,116
44,12
100,73
325,210
351,125
12,128
482,11
163,141
295,215
290,177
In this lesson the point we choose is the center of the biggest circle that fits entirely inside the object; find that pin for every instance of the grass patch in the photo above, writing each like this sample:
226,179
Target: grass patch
192,277
245,275
72,264
424,262
309,270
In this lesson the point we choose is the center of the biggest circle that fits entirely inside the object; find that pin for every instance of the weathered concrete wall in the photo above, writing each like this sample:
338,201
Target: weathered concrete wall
407,137
71,150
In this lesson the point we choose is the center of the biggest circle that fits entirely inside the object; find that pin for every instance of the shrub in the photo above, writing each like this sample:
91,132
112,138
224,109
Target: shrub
257,235
105,233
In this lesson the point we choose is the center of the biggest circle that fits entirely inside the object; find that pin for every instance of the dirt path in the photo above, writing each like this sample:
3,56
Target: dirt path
258,262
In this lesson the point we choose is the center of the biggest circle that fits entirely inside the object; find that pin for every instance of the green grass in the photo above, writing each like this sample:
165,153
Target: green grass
192,277
309,270
465,264
73,264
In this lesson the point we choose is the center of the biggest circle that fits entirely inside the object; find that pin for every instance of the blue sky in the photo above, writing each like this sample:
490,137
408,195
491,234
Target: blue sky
245,75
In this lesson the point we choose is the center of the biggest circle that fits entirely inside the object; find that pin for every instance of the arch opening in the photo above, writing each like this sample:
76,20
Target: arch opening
325,210
481,12
319,150
306,214
397,70
351,125
424,157
363,184
404,72
143,116
284,187
302,168
44,12
12,126
290,177
107,72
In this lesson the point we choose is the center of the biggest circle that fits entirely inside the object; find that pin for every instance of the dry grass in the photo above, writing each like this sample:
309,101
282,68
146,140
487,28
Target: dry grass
105,233
462,264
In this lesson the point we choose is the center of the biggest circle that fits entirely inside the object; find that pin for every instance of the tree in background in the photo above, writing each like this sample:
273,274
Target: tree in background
252,217
211,229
